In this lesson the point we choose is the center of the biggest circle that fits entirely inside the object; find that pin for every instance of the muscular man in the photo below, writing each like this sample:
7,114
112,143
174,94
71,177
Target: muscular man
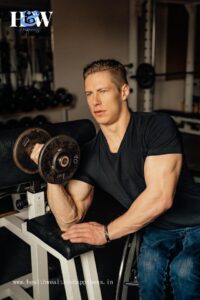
136,157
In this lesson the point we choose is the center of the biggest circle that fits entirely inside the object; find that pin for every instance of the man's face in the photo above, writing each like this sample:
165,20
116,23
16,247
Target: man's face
104,98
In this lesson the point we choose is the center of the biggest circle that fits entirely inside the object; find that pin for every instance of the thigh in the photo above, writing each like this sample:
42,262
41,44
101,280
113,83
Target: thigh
154,257
162,239
156,250
185,267
192,239
187,262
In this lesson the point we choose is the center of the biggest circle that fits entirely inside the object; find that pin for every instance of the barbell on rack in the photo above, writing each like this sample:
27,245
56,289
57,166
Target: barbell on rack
146,75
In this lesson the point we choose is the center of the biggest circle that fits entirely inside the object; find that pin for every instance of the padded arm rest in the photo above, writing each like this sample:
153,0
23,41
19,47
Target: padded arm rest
46,229
82,131
104,209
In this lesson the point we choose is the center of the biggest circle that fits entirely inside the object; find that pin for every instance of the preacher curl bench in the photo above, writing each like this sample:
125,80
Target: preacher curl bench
37,227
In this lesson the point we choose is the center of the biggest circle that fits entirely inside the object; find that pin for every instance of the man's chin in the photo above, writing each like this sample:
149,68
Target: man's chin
102,121
99,120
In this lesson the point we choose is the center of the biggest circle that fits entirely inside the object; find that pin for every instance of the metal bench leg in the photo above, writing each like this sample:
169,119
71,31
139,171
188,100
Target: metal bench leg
70,279
40,275
91,276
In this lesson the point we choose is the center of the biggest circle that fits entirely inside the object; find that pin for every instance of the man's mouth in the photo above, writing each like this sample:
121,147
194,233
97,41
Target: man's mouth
99,112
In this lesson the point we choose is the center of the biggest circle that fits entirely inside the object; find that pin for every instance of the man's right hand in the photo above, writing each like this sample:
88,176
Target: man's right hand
36,152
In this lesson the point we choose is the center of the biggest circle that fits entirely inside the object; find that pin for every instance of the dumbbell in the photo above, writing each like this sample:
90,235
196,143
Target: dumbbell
41,100
12,123
7,100
25,122
39,120
24,98
63,97
58,159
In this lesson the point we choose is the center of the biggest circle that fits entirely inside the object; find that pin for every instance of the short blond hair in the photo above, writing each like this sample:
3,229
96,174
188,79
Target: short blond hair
117,70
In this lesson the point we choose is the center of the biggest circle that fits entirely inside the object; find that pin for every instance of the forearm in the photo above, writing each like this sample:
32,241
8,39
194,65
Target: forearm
145,209
62,206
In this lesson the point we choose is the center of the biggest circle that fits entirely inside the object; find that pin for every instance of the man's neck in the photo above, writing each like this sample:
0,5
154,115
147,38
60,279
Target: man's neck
115,132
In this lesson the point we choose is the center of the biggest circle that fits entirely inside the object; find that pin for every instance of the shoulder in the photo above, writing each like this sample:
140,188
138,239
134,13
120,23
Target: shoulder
150,117
152,120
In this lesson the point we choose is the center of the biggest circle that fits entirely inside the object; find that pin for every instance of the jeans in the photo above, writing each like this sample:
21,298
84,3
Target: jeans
172,255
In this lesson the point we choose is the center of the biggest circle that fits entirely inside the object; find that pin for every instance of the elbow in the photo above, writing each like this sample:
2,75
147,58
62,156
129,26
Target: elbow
77,215
167,203
65,222
63,225
162,202
161,205
80,216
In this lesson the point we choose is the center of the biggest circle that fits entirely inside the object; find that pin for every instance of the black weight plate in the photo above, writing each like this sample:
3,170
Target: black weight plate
145,76
24,145
50,155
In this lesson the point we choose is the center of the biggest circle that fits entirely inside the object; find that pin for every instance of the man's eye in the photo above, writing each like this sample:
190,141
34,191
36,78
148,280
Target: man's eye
103,91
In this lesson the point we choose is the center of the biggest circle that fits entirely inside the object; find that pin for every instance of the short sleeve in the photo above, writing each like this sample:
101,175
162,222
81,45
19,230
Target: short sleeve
162,136
83,172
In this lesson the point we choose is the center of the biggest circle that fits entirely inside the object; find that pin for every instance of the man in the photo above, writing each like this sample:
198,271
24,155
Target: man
136,157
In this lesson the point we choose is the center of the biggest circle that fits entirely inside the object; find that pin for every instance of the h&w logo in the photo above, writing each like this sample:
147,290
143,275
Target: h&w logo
30,18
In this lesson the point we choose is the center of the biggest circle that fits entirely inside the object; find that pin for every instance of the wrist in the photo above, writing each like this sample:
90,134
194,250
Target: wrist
106,234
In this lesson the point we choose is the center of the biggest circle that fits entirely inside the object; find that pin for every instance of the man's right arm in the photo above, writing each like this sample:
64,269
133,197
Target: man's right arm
70,205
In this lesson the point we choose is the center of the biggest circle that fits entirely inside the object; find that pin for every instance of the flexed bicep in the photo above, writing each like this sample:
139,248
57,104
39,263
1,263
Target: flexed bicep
161,175
82,195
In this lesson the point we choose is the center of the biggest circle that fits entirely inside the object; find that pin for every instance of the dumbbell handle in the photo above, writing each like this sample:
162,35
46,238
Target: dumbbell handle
34,152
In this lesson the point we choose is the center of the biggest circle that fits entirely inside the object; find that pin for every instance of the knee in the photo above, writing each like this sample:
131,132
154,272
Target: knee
182,268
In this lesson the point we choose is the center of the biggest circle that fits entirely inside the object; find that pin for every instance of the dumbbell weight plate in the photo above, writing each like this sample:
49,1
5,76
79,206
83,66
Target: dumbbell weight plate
59,159
25,122
24,145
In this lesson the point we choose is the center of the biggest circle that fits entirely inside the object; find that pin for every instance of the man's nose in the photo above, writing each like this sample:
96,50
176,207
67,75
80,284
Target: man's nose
96,99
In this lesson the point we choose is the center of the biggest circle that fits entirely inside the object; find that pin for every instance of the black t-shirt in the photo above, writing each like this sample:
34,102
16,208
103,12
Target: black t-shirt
121,174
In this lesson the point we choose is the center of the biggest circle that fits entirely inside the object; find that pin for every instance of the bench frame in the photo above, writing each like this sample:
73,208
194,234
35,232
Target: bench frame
38,279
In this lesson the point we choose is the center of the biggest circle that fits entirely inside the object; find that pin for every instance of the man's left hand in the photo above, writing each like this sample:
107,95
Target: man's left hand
90,233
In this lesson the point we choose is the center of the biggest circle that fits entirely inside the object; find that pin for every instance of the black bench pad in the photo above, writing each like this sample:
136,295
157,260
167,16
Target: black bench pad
103,210
46,229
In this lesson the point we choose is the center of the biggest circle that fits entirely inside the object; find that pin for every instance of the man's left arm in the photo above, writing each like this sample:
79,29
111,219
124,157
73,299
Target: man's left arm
161,174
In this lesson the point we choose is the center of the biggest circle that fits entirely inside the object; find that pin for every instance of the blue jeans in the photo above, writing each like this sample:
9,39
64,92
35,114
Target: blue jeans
173,255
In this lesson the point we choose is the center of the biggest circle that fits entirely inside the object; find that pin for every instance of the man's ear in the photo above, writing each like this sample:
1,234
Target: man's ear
125,91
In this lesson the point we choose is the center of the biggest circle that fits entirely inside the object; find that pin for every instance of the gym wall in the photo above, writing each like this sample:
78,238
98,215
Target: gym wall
85,31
